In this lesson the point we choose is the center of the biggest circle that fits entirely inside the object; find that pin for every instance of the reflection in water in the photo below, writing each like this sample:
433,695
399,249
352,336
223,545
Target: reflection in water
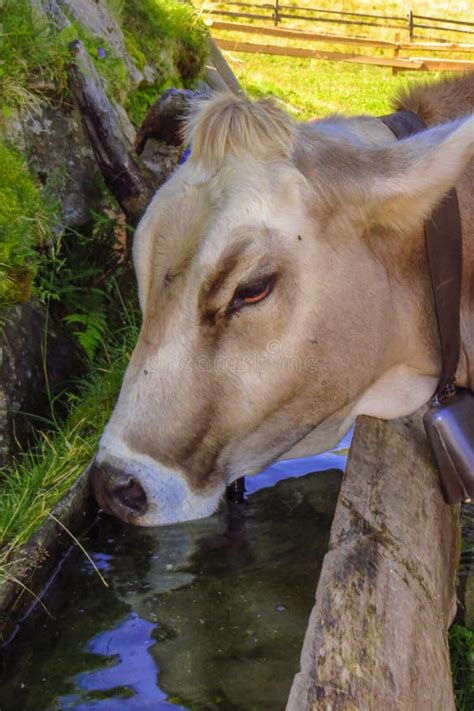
204,615
126,659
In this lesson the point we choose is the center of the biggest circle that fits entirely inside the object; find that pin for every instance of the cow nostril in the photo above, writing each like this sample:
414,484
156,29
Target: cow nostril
130,494
118,493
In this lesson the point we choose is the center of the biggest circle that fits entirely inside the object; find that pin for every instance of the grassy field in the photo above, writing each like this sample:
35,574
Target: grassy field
313,88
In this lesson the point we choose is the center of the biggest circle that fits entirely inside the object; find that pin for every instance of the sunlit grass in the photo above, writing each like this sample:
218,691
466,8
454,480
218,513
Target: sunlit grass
312,88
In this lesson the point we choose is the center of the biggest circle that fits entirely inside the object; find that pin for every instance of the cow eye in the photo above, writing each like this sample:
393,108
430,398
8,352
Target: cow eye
249,294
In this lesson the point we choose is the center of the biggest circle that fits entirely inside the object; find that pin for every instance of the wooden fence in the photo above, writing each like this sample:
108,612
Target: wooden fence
277,13
395,47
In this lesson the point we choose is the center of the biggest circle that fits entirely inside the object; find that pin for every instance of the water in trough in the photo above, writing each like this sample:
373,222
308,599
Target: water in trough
205,615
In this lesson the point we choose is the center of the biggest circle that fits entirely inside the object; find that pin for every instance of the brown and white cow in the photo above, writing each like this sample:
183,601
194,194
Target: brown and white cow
284,288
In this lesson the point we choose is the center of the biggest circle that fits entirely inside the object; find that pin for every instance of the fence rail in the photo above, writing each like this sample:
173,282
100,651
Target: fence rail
398,63
310,36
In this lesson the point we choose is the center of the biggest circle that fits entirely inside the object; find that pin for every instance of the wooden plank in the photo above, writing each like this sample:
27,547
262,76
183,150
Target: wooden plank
410,63
440,65
251,47
129,180
247,15
377,635
299,34
335,38
438,46
376,16
444,19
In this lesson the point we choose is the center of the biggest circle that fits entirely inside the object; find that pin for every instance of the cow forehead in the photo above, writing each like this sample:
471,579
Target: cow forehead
188,217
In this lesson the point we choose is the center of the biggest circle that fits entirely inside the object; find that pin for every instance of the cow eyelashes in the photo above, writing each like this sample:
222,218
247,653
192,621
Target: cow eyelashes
253,293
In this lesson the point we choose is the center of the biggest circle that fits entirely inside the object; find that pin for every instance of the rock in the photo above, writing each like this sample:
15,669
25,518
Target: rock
60,154
23,386
96,17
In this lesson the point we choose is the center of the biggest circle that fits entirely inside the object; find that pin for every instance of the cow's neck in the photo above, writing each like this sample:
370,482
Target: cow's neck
419,379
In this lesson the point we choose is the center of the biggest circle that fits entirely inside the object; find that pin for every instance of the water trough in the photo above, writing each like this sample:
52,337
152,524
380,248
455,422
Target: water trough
377,635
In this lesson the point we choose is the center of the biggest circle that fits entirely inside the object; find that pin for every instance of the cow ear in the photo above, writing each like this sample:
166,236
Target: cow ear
408,178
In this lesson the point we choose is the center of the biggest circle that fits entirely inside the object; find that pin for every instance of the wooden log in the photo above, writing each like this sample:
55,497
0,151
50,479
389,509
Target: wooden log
129,180
223,68
213,78
377,635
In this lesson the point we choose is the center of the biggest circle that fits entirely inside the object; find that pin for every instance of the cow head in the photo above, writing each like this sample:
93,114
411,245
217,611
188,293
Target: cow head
279,280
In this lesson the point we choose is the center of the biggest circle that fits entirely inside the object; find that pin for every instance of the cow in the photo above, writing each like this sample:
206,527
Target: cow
284,287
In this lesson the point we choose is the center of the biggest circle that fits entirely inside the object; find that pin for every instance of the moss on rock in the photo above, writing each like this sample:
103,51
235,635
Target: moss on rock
24,224
167,36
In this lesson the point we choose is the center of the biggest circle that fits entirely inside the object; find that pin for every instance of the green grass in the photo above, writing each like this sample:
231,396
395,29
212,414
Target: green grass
167,35
313,88
31,487
461,645
30,57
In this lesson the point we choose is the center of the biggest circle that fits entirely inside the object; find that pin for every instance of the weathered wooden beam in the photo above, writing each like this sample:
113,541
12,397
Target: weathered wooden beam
408,63
377,635
253,47
333,38
223,68
434,64
129,180
298,34
212,77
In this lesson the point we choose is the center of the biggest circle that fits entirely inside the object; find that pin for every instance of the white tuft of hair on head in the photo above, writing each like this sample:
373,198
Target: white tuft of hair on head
233,125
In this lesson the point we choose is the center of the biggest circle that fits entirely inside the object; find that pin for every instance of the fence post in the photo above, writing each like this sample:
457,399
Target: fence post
396,52
410,25
277,13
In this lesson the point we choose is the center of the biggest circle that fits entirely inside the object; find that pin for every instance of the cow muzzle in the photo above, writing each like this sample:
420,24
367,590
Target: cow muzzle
118,493
144,492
